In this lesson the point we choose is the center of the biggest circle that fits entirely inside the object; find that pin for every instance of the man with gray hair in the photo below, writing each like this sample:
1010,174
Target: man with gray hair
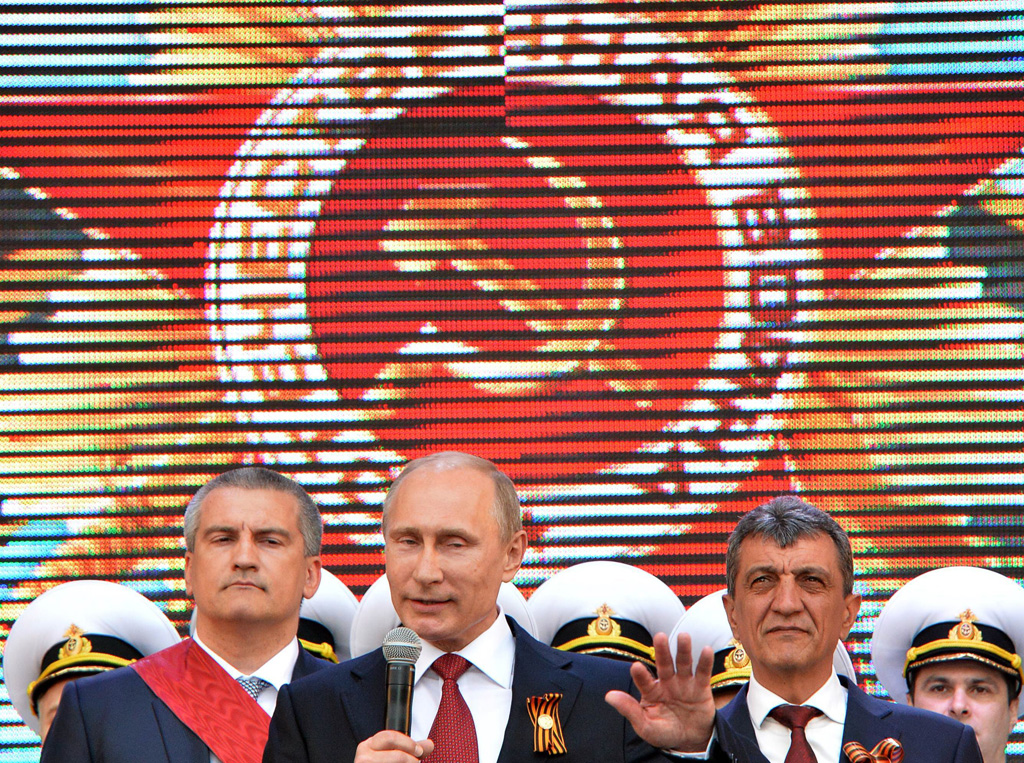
252,539
789,575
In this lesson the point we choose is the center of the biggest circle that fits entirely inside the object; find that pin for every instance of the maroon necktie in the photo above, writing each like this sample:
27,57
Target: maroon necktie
795,717
452,732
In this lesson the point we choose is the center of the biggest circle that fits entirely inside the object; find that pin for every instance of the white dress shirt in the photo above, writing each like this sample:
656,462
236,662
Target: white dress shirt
277,671
824,733
486,686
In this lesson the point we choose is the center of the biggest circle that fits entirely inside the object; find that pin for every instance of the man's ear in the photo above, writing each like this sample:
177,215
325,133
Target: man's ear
313,569
730,612
851,605
514,553
188,574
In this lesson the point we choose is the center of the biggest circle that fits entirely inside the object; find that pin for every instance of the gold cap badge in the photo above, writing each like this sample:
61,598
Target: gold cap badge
76,643
604,625
737,658
966,630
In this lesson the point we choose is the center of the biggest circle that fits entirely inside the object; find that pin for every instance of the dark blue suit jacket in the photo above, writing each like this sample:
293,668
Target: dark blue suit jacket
323,718
926,737
115,718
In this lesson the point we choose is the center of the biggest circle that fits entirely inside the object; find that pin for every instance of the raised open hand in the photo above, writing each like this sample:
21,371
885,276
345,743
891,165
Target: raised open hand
676,710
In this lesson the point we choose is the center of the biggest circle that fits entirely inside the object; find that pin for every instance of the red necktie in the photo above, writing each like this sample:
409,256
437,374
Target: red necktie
453,732
795,717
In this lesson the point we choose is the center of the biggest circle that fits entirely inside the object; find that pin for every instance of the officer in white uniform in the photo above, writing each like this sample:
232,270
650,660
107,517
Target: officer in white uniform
950,641
605,608
325,619
73,630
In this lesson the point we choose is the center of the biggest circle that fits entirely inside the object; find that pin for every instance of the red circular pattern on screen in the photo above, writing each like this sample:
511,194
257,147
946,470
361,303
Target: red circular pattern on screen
538,344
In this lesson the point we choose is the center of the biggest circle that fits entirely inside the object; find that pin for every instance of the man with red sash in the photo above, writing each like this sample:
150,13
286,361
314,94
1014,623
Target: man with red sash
252,540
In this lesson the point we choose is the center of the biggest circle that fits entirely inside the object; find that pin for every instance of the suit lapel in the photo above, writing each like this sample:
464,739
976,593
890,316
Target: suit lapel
736,732
865,723
363,697
180,743
306,664
536,672
865,719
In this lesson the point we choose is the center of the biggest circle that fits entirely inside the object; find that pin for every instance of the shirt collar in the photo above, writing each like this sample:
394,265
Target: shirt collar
277,671
493,653
830,699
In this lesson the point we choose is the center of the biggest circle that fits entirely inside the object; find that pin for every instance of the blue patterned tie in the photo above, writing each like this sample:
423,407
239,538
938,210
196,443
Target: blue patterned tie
252,685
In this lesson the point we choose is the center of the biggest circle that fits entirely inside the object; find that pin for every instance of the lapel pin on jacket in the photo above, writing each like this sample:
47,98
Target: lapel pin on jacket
547,726
886,751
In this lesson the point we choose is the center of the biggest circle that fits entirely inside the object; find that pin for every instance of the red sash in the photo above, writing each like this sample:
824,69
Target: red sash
207,700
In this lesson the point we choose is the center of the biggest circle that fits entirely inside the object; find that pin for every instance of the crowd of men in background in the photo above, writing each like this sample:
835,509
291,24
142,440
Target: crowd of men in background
283,663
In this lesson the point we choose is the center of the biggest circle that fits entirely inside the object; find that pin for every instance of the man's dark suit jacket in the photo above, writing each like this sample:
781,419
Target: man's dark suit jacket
115,718
321,719
926,737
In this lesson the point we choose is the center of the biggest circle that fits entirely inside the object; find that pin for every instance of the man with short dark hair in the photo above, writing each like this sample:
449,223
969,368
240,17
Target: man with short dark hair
707,624
789,570
947,642
485,689
252,555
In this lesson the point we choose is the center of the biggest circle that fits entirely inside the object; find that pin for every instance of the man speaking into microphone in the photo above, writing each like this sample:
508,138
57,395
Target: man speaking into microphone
485,691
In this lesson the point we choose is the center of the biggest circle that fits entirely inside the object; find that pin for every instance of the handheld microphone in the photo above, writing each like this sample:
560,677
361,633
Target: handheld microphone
402,648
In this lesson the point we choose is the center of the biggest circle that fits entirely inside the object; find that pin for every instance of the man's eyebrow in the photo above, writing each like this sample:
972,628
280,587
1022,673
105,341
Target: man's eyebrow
761,569
235,530
403,530
272,530
812,569
807,569
213,529
441,532
451,532
982,680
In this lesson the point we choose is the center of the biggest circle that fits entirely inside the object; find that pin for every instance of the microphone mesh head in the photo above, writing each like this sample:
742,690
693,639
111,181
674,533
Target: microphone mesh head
402,645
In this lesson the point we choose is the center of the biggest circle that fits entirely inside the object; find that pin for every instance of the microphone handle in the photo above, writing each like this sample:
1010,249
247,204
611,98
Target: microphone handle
398,704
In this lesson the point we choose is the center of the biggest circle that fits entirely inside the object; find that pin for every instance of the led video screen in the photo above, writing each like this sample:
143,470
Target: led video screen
658,260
